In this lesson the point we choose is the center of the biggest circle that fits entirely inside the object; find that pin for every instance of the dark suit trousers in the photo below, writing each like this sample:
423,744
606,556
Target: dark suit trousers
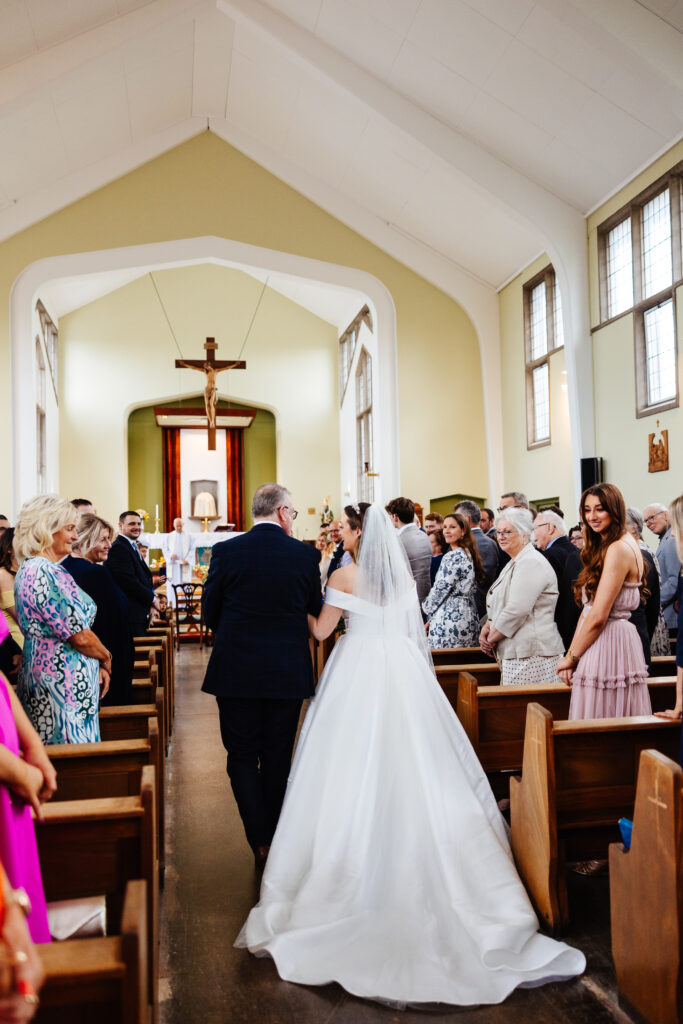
258,734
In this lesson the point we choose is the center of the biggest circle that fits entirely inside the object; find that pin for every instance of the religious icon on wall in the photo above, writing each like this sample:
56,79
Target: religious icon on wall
658,449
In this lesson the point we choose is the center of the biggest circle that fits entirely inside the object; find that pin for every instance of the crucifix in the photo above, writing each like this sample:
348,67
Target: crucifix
211,367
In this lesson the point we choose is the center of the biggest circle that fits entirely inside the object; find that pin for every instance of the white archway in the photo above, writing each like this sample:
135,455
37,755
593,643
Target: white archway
183,252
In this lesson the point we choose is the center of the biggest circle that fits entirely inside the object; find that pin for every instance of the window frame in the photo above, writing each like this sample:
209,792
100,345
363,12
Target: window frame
50,344
364,426
633,210
348,341
547,277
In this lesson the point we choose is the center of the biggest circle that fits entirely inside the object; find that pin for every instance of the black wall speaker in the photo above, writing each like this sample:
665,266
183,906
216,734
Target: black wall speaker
591,472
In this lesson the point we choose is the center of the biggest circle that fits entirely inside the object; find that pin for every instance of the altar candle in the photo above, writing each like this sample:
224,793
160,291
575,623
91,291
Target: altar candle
156,511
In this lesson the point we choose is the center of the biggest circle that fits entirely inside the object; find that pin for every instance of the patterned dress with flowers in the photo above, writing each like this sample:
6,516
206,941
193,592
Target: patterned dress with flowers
58,687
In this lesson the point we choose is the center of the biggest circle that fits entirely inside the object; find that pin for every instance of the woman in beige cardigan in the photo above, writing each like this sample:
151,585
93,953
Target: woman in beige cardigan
521,631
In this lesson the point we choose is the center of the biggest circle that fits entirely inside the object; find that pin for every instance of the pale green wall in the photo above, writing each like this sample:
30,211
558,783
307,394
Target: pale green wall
205,187
546,471
123,342
621,438
145,453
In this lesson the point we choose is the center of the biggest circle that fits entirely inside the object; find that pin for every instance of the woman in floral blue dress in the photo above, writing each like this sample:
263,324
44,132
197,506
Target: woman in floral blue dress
450,604
64,664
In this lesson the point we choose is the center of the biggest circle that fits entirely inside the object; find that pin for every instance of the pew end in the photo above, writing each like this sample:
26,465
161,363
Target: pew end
533,817
646,895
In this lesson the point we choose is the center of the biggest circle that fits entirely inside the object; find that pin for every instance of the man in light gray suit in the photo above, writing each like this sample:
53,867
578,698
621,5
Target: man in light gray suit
416,543
656,518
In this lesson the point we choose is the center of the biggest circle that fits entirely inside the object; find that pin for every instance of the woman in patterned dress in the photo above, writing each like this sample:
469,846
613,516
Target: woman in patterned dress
520,631
64,665
450,604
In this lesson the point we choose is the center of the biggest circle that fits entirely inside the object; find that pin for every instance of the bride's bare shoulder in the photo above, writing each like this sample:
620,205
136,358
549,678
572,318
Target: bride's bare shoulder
342,579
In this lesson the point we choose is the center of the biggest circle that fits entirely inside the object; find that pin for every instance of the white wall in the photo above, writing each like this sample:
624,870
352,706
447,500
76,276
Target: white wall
198,463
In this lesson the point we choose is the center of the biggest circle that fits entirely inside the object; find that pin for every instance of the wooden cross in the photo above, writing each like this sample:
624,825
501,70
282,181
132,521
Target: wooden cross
211,366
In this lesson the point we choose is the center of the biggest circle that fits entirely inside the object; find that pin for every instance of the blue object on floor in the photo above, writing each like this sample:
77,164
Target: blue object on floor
626,828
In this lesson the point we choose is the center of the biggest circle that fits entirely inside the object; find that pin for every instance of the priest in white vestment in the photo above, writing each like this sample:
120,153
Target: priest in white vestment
178,550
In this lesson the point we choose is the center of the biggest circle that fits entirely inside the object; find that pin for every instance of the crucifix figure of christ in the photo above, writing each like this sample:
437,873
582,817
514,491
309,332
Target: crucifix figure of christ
211,367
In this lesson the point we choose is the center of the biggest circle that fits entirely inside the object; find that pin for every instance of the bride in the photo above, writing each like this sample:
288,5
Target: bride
391,871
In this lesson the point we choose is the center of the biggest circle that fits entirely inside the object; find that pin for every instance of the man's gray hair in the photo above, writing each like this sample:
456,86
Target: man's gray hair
634,517
554,520
520,519
657,506
469,509
517,497
268,499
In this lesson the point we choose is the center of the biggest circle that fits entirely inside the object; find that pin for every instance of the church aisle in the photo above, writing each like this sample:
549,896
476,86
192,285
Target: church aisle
211,885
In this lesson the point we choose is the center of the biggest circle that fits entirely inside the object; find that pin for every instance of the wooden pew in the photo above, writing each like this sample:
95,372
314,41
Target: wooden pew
163,636
154,656
158,645
129,721
663,665
460,656
112,768
95,847
102,979
494,717
447,677
646,895
578,779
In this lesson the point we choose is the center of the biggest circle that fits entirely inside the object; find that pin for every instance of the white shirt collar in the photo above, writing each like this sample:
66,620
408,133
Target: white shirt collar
268,522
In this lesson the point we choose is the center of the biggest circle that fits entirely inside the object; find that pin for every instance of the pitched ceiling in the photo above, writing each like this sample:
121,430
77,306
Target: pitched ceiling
575,95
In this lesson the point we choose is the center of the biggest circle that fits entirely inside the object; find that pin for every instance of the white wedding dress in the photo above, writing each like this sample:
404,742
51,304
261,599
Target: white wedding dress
391,871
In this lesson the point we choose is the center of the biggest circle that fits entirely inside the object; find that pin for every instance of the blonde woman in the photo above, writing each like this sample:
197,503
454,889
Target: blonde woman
676,517
64,665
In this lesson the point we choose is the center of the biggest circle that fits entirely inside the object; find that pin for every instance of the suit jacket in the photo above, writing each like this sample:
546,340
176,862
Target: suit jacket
419,551
259,590
670,567
489,553
336,559
133,577
558,553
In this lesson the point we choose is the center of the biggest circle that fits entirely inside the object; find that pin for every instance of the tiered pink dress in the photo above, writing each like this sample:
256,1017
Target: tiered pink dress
610,680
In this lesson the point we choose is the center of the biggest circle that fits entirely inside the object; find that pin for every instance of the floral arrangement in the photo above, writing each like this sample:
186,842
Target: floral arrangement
142,513
201,572
327,515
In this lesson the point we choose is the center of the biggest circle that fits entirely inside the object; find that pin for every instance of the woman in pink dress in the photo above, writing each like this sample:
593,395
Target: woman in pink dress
605,664
25,783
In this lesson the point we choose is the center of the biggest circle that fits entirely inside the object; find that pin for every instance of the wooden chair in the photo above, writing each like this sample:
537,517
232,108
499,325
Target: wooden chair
646,895
95,847
103,979
578,779
188,610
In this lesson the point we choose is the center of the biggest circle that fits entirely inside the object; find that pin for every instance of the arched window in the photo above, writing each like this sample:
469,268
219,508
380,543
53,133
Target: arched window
41,432
365,459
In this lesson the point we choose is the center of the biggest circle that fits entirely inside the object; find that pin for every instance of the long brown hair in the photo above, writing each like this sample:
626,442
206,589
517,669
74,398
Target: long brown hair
6,552
595,544
468,542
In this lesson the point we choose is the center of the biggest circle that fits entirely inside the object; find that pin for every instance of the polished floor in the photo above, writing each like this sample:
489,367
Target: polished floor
211,885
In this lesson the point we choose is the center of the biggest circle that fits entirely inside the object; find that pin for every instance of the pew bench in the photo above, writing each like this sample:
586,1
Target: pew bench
578,779
494,717
95,847
163,641
447,677
112,768
646,895
663,665
102,979
156,658
460,656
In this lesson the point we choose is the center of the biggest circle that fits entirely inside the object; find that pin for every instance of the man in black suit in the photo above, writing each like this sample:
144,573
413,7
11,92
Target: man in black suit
550,537
260,588
126,565
488,551
334,534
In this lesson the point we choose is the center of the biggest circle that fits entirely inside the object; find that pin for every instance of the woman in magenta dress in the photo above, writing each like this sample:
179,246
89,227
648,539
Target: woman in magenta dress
605,664
25,783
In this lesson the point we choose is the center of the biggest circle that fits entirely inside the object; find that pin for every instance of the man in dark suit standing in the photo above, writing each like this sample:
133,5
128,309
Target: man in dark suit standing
489,551
130,571
334,534
260,588
550,537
